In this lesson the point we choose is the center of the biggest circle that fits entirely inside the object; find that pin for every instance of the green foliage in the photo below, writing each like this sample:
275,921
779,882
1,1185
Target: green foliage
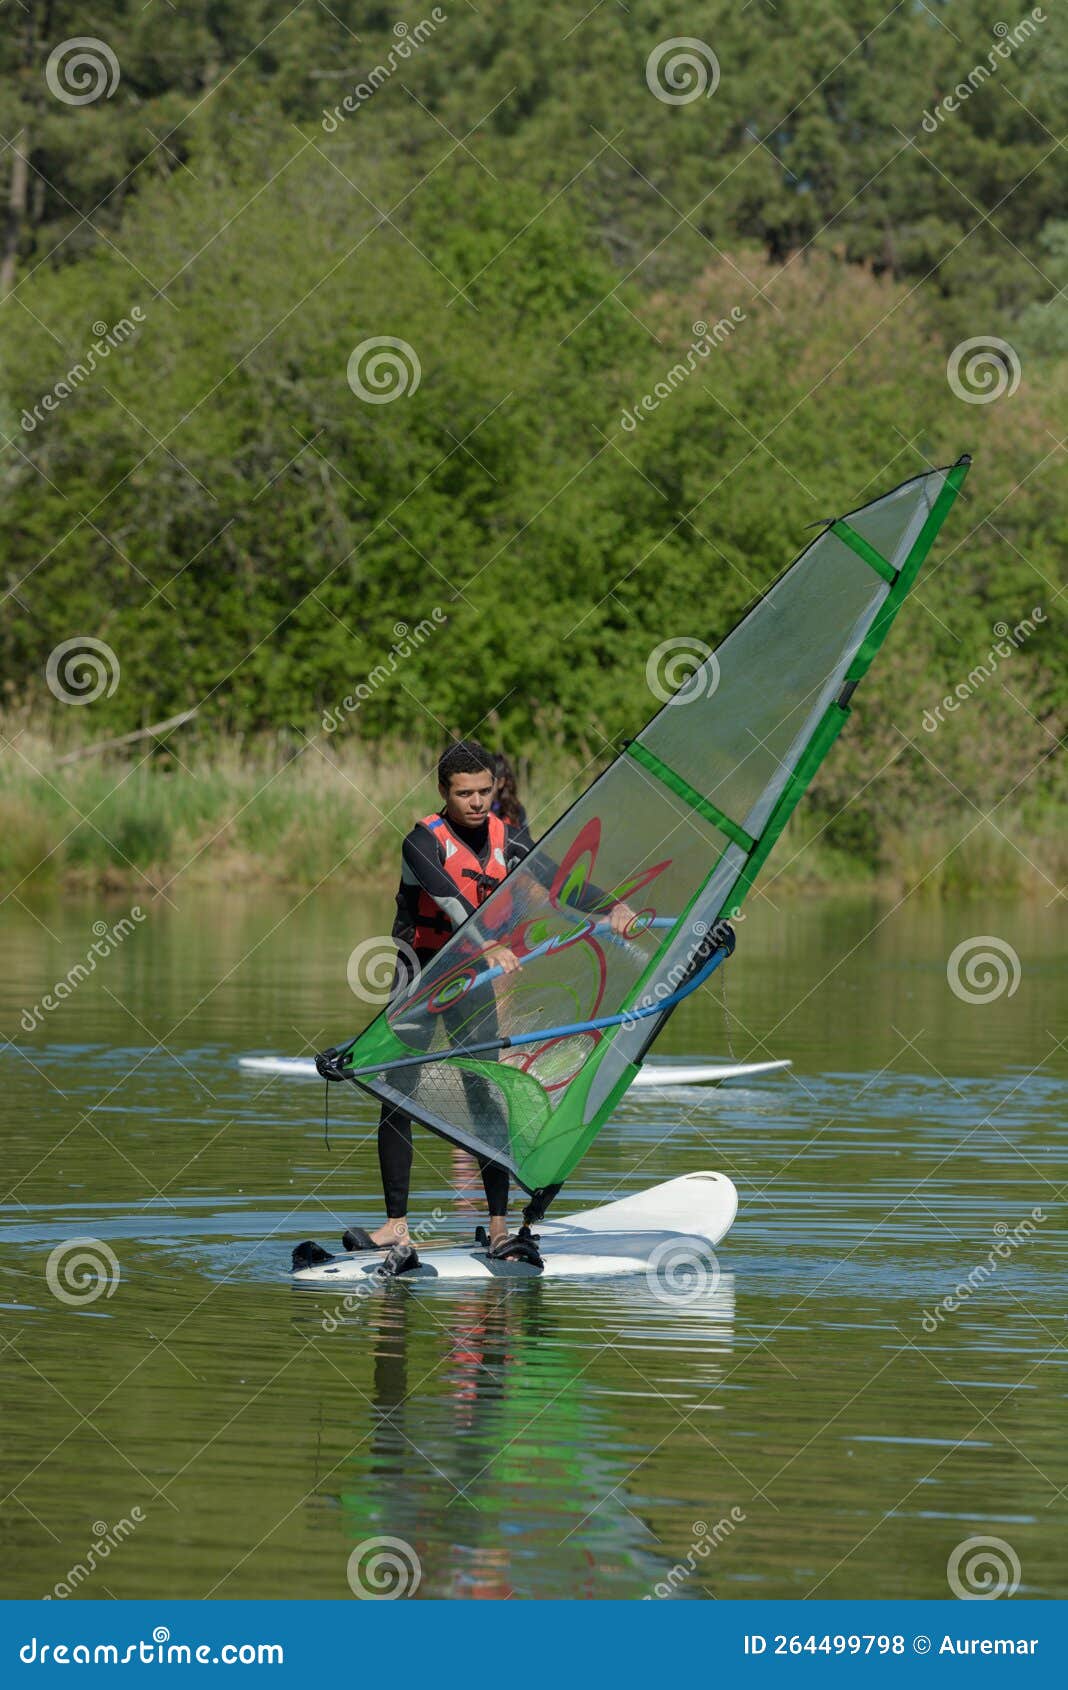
500,549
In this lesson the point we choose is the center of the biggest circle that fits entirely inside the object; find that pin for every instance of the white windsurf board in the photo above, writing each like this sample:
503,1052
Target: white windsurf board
654,1076
671,1229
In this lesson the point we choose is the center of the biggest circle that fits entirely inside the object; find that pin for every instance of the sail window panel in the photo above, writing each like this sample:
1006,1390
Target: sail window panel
735,730
671,969
629,839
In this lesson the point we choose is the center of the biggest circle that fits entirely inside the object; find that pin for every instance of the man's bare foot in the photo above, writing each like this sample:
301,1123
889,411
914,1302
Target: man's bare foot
498,1228
392,1232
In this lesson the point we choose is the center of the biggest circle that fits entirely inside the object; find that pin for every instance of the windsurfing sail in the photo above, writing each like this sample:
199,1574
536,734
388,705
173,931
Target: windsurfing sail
671,837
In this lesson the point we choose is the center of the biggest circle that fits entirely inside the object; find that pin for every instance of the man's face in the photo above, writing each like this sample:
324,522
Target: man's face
469,797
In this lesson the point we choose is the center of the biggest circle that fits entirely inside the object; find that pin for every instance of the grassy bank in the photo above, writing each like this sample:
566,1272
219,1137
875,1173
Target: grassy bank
281,811
277,810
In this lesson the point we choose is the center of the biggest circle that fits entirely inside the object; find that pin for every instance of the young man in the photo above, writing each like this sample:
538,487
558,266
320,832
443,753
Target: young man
450,863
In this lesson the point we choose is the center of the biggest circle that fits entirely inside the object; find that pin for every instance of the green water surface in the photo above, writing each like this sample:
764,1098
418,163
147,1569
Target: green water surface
797,1429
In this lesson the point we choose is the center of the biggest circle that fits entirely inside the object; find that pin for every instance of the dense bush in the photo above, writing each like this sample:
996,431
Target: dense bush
500,549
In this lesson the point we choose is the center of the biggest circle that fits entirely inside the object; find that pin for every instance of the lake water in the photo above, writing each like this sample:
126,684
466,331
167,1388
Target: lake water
798,1429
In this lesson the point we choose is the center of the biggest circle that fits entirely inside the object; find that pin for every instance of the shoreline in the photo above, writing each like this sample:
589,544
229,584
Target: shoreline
275,814
818,879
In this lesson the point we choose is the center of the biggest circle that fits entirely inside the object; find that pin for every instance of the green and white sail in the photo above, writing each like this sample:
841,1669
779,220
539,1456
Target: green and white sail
677,827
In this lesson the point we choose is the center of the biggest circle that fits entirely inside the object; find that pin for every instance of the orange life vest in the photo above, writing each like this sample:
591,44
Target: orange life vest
473,879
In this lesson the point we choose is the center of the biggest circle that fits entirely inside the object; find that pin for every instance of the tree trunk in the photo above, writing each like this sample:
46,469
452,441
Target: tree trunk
19,183
16,213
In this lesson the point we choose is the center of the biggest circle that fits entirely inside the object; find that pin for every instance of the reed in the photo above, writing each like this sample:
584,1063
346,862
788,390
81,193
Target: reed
282,810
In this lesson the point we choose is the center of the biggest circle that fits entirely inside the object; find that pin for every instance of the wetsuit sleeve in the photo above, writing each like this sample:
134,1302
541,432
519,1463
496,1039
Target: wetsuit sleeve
421,870
518,843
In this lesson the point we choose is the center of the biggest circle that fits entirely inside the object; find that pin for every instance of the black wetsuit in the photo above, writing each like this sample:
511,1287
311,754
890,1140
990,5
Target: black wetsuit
422,870
518,831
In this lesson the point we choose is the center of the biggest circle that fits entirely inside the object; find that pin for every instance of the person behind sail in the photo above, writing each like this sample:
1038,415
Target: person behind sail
450,863
506,800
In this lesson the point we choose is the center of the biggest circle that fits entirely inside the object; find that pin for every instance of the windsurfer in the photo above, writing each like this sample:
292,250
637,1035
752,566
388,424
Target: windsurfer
450,864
